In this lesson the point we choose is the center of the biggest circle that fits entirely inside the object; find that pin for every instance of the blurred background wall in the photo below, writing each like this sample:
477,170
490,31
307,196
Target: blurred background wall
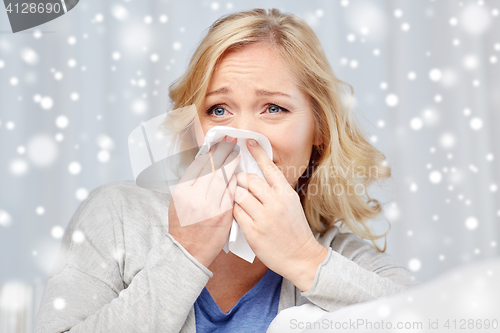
426,79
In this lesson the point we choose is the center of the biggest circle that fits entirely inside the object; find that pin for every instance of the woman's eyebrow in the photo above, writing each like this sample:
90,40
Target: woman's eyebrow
258,92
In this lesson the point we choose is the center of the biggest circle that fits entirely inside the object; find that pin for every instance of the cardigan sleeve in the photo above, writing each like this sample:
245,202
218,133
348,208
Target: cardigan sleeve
354,271
86,291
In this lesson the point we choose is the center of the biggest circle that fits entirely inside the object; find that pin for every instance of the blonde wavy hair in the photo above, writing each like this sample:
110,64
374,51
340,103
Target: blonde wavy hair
344,145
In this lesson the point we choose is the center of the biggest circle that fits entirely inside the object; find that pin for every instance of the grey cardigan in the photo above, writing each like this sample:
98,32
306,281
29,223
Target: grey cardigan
118,270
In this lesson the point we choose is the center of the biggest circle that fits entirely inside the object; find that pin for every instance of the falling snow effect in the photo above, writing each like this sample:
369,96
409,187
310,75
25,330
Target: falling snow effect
447,140
78,236
471,223
392,100
475,19
81,194
18,167
74,168
46,103
59,303
425,104
476,123
5,218
40,210
414,265
435,74
435,177
42,151
57,232
416,124
62,121
29,56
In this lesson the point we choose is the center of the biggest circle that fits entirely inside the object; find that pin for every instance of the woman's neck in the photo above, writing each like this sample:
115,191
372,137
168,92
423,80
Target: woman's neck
233,277
230,265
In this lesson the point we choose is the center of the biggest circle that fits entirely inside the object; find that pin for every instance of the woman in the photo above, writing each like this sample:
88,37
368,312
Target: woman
266,72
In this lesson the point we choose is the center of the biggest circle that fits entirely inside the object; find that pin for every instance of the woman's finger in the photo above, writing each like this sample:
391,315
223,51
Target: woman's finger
216,185
218,154
248,202
194,170
201,166
221,151
244,221
228,197
271,172
255,185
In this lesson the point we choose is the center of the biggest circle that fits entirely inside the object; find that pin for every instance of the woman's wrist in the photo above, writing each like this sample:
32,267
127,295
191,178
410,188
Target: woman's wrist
304,268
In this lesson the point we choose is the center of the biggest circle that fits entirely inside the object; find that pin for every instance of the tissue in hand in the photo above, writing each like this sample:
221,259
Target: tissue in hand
236,242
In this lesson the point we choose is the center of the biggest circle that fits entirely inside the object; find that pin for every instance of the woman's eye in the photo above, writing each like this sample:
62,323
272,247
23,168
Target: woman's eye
276,109
216,110
219,111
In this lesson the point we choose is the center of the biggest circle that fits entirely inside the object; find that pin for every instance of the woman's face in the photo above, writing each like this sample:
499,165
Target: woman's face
253,89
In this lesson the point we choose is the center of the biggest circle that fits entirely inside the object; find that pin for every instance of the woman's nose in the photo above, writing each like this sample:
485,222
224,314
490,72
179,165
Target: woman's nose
245,123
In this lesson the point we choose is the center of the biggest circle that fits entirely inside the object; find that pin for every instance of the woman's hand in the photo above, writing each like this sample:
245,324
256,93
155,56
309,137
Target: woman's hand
200,211
275,226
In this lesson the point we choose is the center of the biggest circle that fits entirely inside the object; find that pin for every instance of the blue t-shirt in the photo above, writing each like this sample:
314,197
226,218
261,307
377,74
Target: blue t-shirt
253,312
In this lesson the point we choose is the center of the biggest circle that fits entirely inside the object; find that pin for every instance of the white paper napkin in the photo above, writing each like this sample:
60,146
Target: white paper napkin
236,242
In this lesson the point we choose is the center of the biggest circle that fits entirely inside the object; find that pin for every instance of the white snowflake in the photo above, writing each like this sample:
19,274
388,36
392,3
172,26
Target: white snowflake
471,223
81,194
40,210
474,19
392,212
59,303
177,46
435,177
103,156
392,100
74,168
435,74
29,56
476,123
447,140
414,265
57,232
5,218
18,167
119,12
98,17
416,123
62,121
78,236
42,150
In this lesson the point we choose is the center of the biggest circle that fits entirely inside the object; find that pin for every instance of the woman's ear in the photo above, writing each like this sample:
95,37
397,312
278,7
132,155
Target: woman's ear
318,140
